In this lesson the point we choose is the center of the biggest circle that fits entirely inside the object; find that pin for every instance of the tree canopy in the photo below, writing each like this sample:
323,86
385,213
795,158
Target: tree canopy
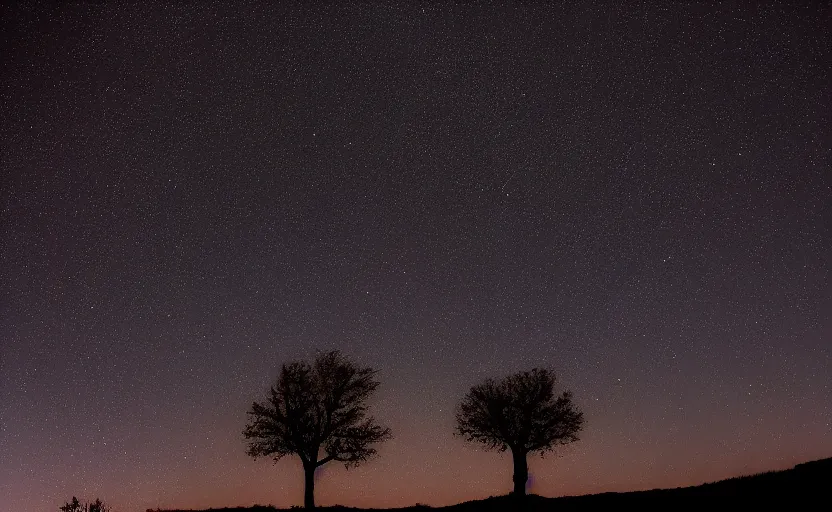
520,413
314,407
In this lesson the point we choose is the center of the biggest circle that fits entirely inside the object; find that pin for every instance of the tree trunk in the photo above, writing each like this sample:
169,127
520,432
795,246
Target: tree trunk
309,486
521,472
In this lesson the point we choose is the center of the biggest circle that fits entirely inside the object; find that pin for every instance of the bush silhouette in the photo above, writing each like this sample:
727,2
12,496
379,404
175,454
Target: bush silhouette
76,506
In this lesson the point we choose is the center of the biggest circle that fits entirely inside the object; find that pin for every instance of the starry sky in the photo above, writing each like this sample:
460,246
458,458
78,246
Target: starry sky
637,197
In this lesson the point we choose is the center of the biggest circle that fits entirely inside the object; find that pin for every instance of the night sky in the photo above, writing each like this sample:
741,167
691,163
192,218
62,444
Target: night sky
636,197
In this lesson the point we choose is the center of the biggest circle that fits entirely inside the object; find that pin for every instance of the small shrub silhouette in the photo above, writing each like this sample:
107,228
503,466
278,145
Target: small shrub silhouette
76,506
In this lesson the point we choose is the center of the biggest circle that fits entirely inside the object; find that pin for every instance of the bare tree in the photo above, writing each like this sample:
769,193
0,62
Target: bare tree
314,407
519,413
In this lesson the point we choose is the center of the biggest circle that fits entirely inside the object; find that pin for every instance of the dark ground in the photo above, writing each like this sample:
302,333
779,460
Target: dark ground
806,486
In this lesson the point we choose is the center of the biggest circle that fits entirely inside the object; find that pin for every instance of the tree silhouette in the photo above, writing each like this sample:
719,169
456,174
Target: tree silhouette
520,413
76,506
322,405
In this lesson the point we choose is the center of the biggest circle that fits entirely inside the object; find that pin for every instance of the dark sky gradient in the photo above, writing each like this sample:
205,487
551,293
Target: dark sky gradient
637,197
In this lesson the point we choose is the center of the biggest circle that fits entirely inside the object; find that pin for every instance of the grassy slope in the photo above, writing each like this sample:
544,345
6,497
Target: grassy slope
804,482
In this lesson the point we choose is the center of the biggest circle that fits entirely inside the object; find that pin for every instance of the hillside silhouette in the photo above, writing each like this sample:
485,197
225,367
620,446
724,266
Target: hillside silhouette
807,481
